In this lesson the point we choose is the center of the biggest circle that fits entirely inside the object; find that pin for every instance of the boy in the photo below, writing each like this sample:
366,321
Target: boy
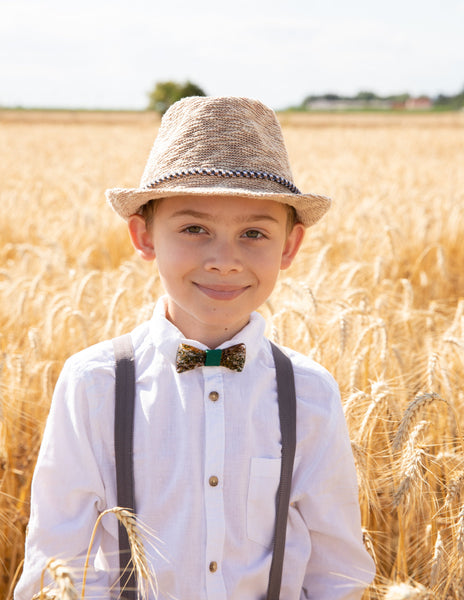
218,210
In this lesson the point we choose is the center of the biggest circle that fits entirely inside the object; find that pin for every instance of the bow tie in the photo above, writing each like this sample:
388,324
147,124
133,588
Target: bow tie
189,357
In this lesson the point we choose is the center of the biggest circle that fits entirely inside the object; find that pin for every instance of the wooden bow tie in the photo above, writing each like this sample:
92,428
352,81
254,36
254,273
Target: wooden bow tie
189,357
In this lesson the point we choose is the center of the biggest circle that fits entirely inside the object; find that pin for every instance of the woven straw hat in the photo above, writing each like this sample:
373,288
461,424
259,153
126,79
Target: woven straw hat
223,146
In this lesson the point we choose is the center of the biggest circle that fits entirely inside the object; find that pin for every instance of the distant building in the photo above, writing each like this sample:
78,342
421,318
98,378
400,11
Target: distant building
333,102
347,104
420,103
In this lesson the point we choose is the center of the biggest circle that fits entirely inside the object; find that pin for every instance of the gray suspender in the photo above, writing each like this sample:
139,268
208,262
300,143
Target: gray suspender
123,449
123,445
287,415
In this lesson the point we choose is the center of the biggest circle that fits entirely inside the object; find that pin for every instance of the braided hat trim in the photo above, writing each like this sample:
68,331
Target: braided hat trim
225,173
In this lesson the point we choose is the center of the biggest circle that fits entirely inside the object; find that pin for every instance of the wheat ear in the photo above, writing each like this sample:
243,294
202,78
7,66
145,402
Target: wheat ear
460,535
62,576
412,473
437,561
405,591
410,414
144,576
454,488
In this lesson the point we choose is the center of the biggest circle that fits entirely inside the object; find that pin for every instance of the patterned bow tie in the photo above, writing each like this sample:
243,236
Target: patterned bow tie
189,357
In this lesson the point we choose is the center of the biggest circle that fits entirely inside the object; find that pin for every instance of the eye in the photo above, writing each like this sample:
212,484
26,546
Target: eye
253,234
194,229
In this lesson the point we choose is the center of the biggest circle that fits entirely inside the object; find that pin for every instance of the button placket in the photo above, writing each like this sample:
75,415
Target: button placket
213,474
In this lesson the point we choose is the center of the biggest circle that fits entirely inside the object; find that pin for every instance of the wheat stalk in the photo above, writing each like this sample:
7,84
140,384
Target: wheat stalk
355,367
46,380
374,407
146,580
432,363
77,316
378,270
456,324
408,296
109,325
84,283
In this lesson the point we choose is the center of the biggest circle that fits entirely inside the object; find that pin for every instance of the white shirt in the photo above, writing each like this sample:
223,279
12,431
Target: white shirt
181,438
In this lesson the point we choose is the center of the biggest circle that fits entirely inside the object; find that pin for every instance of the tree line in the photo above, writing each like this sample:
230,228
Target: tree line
166,93
452,102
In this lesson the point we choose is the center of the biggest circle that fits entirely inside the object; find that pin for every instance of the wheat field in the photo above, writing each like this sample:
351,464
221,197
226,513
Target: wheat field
376,295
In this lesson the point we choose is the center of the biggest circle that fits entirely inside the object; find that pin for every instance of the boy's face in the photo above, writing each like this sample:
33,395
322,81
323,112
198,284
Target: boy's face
218,259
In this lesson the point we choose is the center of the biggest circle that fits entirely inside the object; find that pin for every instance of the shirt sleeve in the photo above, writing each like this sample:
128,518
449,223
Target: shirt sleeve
68,492
339,567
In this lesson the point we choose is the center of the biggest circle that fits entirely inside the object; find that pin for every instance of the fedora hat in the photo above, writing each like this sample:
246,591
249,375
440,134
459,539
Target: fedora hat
224,146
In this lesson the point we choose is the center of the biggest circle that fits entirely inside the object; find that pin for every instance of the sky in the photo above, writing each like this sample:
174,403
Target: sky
110,53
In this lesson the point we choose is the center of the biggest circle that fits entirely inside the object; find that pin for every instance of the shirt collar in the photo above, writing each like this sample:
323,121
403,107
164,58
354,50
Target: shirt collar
167,337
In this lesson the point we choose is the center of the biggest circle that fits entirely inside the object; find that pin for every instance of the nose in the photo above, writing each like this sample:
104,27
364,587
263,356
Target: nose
223,258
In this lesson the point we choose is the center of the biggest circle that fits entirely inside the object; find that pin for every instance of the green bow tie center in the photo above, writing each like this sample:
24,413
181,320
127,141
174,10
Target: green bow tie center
213,358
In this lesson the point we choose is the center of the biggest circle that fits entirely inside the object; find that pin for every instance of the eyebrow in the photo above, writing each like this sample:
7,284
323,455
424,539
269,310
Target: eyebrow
188,212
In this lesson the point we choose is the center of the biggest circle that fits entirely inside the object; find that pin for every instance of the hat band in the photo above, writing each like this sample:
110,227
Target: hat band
226,173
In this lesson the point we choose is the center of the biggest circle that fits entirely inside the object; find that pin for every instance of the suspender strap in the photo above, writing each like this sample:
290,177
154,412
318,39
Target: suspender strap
123,447
123,444
287,415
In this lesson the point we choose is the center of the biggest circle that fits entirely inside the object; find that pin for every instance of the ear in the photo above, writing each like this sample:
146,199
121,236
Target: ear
292,245
141,237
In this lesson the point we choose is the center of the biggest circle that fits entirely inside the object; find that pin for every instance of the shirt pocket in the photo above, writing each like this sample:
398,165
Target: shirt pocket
262,496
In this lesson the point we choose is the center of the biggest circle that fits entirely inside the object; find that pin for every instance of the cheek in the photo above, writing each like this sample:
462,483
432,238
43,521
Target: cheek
267,265
273,256
174,259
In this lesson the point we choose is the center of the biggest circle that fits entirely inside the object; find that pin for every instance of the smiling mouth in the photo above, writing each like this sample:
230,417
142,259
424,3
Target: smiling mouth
221,292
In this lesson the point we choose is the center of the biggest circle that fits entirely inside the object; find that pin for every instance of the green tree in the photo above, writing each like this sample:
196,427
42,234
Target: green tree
366,96
166,93
450,102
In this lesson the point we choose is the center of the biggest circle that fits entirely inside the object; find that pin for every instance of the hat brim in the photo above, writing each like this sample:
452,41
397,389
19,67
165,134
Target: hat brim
127,202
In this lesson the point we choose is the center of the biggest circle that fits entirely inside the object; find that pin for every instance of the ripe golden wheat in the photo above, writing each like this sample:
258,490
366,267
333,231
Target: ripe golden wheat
376,295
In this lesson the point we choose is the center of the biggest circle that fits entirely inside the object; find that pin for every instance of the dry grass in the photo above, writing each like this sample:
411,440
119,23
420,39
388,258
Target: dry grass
377,296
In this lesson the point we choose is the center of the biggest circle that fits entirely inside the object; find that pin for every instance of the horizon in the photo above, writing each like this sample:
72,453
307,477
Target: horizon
282,109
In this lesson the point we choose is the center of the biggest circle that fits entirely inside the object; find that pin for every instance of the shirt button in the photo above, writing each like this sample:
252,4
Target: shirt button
213,396
213,481
213,566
